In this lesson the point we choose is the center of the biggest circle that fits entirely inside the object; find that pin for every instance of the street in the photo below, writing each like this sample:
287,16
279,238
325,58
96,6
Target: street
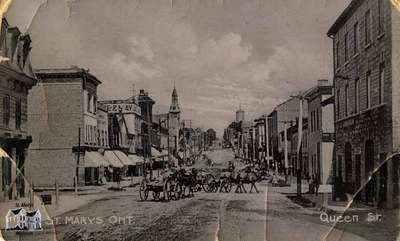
207,216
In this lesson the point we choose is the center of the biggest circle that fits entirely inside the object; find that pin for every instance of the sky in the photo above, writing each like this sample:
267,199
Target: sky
220,54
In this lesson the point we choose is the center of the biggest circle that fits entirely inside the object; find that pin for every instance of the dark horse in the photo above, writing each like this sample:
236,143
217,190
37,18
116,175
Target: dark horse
244,176
187,180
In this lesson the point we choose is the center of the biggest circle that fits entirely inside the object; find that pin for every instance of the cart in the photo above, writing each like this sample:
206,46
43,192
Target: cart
156,187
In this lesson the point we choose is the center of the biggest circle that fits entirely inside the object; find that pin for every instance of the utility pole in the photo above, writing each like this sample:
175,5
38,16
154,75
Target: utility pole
78,157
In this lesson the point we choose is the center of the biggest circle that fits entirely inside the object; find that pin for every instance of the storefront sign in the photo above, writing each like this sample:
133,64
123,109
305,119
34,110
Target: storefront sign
124,108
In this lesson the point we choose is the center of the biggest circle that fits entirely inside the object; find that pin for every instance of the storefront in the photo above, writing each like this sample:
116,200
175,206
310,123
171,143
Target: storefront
95,165
114,172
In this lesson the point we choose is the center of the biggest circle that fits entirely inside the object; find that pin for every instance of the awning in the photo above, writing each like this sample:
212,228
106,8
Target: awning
136,159
130,123
94,159
123,158
155,152
112,158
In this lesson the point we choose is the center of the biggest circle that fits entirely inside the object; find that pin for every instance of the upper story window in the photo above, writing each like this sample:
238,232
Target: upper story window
381,82
368,88
6,110
381,17
346,47
337,54
356,38
338,103
18,114
346,103
356,95
367,27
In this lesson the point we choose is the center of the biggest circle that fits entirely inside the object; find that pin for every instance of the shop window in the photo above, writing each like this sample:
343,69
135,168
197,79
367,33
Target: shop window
6,110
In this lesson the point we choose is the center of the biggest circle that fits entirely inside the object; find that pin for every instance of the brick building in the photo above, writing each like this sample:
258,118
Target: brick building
366,41
16,78
61,106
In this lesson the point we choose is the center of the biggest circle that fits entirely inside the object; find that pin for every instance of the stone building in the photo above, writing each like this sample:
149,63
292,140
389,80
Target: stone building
366,43
16,79
64,128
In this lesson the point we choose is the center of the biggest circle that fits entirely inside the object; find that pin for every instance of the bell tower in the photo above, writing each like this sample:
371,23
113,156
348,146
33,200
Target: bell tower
174,122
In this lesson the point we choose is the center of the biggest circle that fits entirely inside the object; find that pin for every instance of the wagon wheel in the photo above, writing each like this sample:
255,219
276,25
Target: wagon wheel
208,183
177,191
168,190
156,195
228,186
143,191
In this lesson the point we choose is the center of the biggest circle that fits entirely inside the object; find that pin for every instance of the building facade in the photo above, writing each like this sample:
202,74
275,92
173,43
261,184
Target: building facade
16,79
320,131
63,124
367,113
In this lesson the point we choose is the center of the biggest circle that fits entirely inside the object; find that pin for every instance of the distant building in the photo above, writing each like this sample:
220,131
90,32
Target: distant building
174,122
146,105
286,115
240,115
211,136
320,131
366,43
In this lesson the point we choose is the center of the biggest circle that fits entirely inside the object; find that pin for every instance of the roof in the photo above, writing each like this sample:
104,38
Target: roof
73,72
16,211
344,16
32,213
136,159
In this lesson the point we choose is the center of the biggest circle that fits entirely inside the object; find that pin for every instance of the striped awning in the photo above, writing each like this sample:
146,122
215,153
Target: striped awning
113,159
95,159
126,161
136,159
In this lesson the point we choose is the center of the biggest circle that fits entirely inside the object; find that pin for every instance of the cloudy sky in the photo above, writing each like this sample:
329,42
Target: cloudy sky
219,53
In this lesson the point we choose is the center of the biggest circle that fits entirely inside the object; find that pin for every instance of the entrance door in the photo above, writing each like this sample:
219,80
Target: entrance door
348,168
358,175
370,189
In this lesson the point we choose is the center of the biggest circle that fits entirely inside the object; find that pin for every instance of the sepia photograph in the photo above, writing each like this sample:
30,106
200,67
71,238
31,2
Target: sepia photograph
200,120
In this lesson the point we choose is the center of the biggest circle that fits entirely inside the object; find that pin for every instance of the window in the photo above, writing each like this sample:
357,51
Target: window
18,113
98,137
346,103
381,17
6,110
356,95
89,99
368,88
381,82
367,27
338,103
356,35
346,47
337,54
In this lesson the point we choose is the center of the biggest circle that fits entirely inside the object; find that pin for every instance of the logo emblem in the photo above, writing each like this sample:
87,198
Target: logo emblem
20,219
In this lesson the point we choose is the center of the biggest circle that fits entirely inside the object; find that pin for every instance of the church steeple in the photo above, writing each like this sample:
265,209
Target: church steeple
174,108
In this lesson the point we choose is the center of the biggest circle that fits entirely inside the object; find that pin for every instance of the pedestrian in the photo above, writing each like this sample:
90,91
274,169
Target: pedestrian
316,186
311,184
